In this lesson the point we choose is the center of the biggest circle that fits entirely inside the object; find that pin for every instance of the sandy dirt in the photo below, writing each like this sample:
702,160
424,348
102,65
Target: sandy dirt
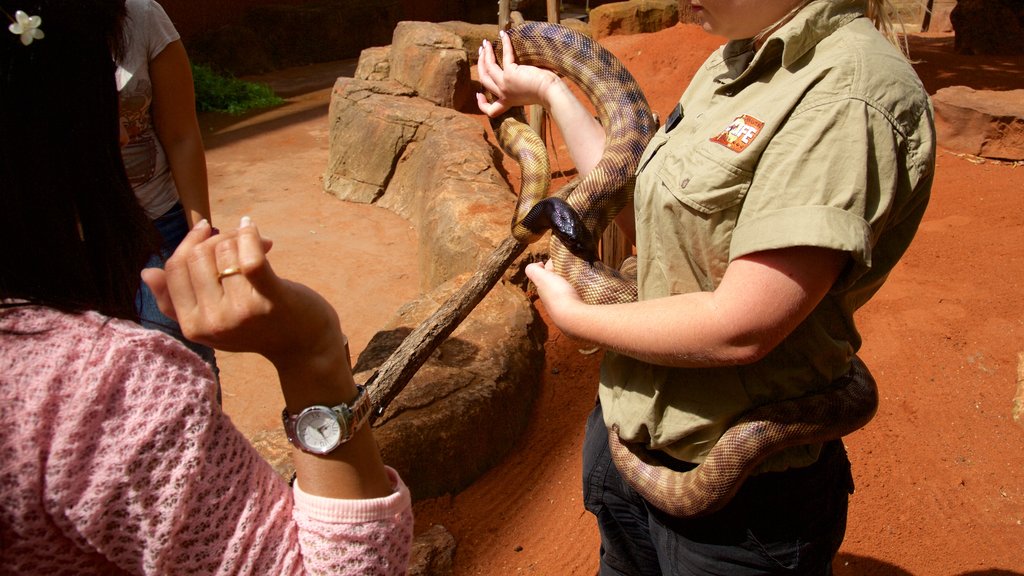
939,471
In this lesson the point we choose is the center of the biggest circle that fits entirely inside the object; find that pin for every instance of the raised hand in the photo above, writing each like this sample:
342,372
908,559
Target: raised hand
511,84
223,292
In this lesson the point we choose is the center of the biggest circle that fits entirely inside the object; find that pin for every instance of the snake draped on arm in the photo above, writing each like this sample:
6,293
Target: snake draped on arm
580,212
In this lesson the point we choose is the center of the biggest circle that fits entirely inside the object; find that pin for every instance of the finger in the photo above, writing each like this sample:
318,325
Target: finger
252,255
491,109
482,103
177,277
487,69
230,272
487,56
203,270
508,58
156,279
198,234
535,271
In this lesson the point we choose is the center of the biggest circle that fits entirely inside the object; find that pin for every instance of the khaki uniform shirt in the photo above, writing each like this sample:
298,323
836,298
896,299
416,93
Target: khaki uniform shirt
825,138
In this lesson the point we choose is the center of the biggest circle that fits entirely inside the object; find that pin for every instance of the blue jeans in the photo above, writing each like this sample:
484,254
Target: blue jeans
788,522
173,226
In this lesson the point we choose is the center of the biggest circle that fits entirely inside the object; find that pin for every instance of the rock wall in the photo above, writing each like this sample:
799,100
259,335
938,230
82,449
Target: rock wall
254,36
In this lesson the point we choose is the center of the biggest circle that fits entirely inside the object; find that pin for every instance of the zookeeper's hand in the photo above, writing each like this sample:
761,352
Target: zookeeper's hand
511,84
559,297
223,293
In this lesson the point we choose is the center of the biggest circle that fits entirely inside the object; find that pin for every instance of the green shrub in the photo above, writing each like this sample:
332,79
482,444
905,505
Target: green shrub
219,93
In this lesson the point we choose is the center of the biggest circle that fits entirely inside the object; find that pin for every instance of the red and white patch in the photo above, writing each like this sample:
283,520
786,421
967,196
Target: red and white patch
738,135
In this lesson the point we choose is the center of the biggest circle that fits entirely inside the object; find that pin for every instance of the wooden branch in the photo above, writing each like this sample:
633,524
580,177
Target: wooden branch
553,11
503,13
396,372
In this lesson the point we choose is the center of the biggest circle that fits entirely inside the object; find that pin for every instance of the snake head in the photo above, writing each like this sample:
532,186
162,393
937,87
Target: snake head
568,227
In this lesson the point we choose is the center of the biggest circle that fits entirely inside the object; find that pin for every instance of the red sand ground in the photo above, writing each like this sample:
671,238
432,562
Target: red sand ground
939,471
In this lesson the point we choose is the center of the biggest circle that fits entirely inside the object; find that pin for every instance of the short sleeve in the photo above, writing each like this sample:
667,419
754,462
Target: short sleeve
157,27
828,179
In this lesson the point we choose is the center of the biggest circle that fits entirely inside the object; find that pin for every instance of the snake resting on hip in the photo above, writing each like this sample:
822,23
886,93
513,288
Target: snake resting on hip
579,213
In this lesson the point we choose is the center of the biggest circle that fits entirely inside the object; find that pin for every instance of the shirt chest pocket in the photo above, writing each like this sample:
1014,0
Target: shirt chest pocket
703,183
687,206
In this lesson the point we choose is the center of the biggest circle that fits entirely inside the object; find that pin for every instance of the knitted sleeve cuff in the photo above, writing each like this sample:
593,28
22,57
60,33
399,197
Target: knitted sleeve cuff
339,510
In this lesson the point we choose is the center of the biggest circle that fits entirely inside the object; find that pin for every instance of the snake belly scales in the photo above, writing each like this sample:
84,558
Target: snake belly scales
839,409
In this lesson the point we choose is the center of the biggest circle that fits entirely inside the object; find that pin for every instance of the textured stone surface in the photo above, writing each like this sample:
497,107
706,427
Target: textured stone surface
472,35
633,17
374,64
426,163
470,402
368,136
986,123
432,61
938,19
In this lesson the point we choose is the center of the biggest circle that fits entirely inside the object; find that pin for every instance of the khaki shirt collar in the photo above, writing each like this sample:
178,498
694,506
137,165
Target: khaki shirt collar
788,44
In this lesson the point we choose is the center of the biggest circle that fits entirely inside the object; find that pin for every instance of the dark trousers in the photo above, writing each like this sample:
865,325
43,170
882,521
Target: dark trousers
789,522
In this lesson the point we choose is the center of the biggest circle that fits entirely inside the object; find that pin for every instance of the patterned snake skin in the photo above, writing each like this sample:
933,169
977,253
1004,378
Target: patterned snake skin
629,124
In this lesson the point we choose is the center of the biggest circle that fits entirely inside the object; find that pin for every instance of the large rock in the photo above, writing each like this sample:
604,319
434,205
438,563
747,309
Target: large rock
989,27
429,164
467,406
432,61
632,17
374,64
537,9
367,136
984,123
472,35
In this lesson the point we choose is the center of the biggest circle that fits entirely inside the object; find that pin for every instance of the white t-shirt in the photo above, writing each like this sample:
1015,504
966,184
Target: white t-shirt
148,32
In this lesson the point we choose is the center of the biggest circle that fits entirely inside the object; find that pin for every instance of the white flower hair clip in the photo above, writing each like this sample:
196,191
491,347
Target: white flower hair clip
27,27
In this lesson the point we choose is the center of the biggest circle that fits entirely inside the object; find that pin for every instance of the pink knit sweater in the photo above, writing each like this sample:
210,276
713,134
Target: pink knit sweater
115,459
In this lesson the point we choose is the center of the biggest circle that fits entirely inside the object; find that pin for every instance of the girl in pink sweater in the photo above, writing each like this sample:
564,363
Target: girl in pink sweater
114,456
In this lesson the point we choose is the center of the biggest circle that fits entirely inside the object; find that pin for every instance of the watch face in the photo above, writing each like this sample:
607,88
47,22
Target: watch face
318,430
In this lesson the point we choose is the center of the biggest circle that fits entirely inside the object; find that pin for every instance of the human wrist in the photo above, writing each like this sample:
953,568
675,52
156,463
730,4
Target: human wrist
550,89
322,375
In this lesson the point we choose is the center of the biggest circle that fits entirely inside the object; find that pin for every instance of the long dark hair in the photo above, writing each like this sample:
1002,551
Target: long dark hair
72,234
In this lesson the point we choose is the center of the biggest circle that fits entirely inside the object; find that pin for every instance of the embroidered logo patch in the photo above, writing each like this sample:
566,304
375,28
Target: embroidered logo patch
738,135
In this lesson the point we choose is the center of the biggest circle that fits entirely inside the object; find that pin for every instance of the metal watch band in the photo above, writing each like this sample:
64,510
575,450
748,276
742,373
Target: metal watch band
351,416
358,411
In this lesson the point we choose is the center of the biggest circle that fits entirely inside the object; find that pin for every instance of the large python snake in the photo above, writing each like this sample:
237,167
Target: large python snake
578,214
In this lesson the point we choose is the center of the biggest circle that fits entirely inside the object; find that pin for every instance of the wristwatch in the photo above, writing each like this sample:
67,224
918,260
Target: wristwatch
321,429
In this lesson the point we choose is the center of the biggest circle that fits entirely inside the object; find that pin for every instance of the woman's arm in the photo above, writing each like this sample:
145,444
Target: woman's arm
286,322
514,85
761,299
176,125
